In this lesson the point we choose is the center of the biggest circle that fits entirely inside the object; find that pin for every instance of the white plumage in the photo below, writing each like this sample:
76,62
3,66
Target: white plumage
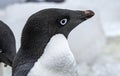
57,59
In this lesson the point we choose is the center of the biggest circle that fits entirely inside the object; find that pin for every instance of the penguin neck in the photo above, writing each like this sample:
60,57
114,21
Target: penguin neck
37,42
35,45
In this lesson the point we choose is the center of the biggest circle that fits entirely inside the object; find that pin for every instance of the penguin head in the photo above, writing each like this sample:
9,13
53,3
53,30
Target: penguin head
56,21
7,44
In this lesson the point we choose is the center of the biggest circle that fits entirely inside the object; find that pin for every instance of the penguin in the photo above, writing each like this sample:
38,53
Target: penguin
44,46
7,44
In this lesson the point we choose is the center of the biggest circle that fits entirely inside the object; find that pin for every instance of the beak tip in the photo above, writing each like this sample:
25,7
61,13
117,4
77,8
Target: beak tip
89,14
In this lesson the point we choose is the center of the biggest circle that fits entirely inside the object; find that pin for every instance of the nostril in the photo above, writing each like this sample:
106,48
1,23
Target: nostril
89,14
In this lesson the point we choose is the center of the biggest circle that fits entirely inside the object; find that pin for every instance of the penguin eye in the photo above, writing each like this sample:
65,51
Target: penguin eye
63,21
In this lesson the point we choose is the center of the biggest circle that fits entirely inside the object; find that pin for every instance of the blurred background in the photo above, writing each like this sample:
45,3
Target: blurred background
95,43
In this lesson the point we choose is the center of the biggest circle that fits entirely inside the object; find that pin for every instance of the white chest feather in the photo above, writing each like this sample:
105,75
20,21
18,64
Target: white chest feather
57,59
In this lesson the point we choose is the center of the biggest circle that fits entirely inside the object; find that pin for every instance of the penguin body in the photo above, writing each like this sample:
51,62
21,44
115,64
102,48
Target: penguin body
44,48
7,44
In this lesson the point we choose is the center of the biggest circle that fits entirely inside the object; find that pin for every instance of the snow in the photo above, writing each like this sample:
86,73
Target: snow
104,66
95,55
5,3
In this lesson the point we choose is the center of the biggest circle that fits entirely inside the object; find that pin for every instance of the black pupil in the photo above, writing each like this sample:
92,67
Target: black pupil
63,21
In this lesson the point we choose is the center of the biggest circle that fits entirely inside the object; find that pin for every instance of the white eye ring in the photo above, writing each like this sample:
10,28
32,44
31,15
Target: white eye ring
63,21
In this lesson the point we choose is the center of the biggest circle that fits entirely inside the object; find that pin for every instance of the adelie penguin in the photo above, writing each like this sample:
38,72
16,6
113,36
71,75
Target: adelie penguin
7,44
44,47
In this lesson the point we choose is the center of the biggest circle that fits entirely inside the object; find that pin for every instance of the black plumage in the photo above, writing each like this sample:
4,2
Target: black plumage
7,44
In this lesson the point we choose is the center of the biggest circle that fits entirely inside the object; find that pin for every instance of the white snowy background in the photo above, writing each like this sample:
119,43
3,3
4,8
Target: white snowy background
95,43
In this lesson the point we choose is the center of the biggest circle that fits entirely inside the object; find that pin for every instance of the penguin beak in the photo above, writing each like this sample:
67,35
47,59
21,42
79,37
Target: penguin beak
89,14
